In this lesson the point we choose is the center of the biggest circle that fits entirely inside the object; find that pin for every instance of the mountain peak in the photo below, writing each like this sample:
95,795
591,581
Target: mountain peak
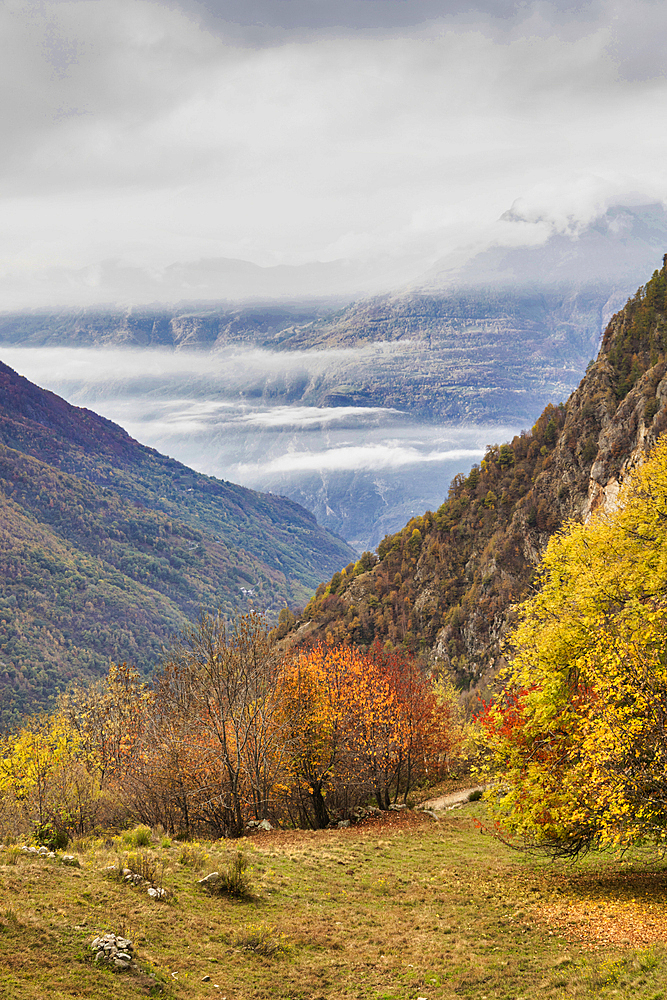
617,248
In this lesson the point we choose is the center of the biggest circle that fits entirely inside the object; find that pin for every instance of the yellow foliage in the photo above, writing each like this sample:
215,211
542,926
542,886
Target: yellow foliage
29,758
580,733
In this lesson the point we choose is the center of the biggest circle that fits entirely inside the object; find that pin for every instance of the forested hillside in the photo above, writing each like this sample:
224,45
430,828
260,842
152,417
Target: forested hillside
108,547
576,740
446,583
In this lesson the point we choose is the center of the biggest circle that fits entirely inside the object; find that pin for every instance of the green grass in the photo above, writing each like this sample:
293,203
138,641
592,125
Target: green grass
396,909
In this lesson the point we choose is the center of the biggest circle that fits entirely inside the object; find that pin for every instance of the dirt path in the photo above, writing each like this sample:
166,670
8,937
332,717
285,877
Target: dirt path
453,799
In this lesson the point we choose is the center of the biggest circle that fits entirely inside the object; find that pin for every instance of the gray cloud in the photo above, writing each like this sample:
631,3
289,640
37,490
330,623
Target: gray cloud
368,15
142,134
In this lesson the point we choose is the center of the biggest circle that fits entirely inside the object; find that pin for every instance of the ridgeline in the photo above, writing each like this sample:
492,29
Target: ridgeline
445,585
108,548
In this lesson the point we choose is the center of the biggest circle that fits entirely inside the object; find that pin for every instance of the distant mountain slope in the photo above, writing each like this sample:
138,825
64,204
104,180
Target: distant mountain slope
446,583
486,344
474,355
493,340
109,547
616,249
190,327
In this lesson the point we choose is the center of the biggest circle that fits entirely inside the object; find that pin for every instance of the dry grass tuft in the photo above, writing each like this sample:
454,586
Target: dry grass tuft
263,940
236,881
193,856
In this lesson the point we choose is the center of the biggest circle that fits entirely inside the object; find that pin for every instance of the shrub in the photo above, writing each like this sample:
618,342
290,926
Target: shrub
10,918
263,940
475,795
589,450
146,866
138,867
650,410
139,837
193,856
12,854
236,881
82,844
49,836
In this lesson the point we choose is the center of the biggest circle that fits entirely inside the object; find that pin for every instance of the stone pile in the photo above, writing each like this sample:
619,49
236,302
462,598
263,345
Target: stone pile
258,824
363,812
135,879
44,852
116,951
41,852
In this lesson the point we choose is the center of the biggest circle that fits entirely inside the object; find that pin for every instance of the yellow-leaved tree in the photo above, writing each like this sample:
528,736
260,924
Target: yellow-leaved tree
35,765
578,739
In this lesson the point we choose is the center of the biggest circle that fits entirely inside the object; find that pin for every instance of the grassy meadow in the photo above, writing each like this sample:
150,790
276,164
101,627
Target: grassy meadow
400,907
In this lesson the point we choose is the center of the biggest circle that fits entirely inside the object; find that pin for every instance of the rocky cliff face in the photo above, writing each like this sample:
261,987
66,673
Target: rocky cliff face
446,584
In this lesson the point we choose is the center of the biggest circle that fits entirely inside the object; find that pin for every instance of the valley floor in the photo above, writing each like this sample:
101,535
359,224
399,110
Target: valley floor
400,907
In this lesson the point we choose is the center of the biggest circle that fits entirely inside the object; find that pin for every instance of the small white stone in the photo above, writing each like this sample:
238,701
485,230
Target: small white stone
207,879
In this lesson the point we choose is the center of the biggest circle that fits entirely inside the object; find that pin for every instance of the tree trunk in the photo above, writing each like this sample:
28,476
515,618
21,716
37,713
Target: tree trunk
319,806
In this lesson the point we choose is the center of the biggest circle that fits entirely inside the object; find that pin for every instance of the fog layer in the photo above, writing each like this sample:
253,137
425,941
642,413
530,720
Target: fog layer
242,417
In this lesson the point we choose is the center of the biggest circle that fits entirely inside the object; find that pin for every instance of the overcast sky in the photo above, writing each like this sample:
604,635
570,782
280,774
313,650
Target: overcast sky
291,131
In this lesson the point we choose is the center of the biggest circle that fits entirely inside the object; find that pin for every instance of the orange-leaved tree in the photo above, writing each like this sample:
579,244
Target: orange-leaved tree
360,723
314,725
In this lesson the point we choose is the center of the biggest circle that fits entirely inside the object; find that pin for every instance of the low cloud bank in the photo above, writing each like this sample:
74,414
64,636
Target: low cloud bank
363,471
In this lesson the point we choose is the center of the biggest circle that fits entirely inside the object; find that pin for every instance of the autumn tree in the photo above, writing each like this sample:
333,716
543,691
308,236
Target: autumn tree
31,763
375,722
164,781
108,717
362,723
431,727
315,727
578,738
220,682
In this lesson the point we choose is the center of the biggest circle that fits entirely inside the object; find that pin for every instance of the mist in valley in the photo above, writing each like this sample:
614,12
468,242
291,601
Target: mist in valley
256,418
